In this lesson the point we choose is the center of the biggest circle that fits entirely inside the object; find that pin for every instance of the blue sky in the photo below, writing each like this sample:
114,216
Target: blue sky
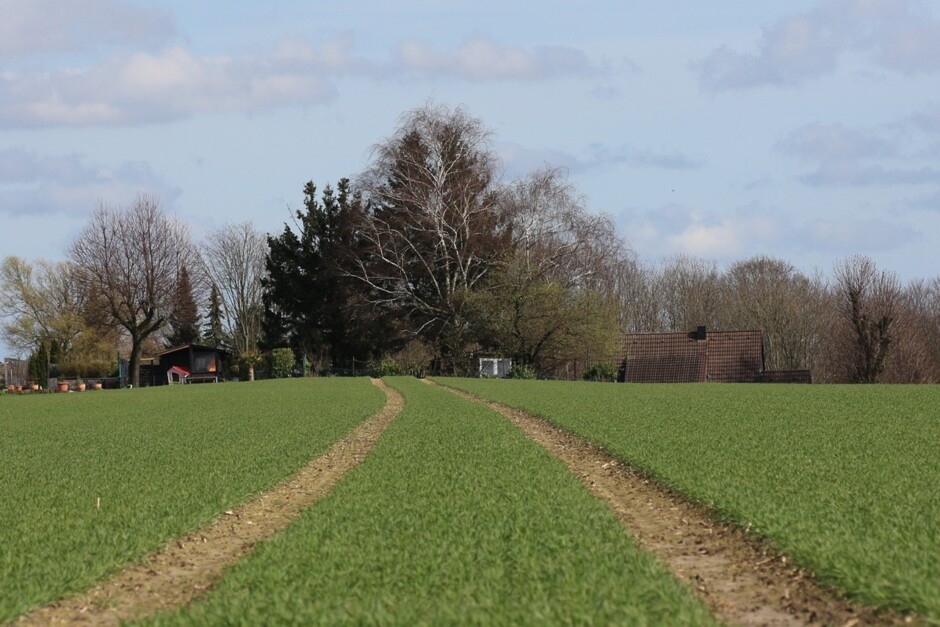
808,130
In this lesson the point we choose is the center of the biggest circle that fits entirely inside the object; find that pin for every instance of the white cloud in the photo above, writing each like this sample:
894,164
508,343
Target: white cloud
724,237
854,236
175,82
850,157
758,229
835,141
520,160
31,184
898,35
486,60
30,27
675,229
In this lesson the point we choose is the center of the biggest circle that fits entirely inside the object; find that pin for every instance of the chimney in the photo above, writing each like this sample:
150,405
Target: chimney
701,333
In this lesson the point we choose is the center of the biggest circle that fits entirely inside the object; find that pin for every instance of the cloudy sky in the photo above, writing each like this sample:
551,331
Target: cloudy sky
807,130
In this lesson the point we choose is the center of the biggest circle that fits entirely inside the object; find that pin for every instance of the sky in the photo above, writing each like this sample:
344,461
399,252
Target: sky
805,130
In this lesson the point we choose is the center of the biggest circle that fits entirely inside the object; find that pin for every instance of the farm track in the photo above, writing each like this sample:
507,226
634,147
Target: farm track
741,578
188,567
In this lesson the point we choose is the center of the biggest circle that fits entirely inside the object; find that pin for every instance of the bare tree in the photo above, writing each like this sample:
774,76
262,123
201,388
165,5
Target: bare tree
690,292
868,305
790,308
914,355
922,300
430,231
638,292
234,262
554,237
131,258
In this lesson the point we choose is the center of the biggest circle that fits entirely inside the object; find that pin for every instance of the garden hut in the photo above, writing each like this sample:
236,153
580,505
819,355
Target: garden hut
192,363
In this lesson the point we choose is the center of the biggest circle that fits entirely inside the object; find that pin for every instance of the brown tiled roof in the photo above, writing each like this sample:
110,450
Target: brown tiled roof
723,356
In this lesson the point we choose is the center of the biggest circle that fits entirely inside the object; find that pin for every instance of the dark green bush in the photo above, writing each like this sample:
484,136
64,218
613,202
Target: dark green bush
387,368
600,372
281,363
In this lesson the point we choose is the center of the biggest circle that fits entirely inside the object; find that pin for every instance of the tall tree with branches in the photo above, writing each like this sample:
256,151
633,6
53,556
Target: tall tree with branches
869,306
233,261
131,258
431,230
547,297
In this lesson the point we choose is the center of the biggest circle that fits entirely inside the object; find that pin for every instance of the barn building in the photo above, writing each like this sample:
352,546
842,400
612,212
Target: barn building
700,356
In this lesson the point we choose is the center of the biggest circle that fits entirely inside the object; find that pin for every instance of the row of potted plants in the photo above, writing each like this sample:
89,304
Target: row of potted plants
63,386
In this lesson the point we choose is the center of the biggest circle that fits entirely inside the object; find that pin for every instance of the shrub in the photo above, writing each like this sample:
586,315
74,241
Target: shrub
520,371
387,368
281,363
600,372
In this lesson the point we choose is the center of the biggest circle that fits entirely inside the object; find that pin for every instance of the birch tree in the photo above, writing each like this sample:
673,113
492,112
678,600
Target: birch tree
431,229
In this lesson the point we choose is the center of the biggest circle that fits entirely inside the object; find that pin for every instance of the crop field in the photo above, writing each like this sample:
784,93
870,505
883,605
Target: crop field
454,517
845,479
90,482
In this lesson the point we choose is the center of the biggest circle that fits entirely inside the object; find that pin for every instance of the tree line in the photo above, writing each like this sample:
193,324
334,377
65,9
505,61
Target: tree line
429,259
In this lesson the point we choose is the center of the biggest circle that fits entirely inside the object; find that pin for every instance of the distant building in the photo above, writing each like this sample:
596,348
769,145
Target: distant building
191,363
700,356
495,367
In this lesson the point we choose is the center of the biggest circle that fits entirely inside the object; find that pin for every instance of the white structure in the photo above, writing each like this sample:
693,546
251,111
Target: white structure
495,367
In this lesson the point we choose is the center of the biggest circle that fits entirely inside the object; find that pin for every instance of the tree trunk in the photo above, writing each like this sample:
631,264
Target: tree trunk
136,346
251,373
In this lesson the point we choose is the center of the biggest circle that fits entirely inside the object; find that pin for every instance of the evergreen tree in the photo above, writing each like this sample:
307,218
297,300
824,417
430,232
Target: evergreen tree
214,335
310,301
184,321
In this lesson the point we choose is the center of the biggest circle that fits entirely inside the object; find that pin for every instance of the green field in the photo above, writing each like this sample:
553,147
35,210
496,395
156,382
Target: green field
846,479
454,518
163,461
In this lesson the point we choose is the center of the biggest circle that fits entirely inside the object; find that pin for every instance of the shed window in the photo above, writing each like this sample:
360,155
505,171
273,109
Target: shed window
204,362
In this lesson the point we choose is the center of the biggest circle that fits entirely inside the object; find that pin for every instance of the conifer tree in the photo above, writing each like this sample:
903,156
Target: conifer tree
184,321
214,335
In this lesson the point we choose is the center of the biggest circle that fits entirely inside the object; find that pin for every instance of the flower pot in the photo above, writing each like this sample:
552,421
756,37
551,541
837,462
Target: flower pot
64,386
19,388
34,387
81,387
11,389
96,386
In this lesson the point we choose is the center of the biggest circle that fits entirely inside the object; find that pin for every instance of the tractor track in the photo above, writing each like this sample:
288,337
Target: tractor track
186,568
742,578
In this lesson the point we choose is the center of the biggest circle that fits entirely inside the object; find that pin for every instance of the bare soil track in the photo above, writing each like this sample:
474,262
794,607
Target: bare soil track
741,578
188,567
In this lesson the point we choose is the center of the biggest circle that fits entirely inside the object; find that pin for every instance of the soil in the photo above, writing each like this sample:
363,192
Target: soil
188,567
742,578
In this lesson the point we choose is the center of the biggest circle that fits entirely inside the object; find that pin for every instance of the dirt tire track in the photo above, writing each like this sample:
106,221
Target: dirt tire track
740,577
188,567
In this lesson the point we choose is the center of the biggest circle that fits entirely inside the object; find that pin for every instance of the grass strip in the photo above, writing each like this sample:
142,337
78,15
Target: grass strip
842,478
162,461
455,517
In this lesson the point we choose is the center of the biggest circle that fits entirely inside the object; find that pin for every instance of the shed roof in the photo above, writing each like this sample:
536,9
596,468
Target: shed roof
717,356
199,347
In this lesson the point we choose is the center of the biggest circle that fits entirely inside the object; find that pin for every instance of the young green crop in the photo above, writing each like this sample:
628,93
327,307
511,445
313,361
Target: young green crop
162,461
846,479
453,518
